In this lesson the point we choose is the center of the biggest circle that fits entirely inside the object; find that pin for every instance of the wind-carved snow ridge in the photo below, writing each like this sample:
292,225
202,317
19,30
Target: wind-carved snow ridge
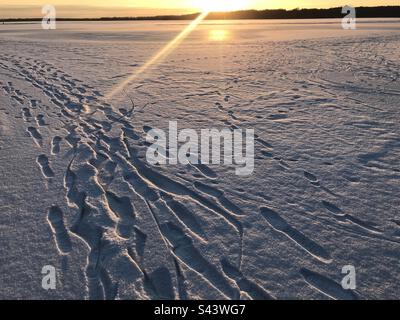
323,194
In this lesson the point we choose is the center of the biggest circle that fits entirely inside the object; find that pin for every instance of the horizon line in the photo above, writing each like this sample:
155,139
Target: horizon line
172,15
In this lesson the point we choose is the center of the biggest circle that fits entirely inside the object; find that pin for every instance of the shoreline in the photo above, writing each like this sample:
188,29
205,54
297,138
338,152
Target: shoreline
280,14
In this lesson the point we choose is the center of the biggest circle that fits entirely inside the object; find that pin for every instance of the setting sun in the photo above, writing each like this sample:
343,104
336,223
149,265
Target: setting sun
220,5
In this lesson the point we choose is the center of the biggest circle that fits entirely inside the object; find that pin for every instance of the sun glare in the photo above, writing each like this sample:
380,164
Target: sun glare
220,5
218,35
159,56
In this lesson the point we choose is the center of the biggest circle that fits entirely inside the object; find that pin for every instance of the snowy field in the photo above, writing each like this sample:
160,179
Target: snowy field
77,192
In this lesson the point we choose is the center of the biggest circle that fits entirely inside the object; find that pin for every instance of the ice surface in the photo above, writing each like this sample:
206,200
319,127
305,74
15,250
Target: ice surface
77,193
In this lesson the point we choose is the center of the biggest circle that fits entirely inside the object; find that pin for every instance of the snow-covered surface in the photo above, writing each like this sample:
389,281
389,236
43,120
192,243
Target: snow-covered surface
77,193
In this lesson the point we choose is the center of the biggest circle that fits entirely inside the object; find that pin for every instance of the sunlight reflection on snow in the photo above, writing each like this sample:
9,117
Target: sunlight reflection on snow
218,35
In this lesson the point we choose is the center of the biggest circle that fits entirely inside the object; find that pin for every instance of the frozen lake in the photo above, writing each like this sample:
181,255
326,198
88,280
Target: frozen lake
78,194
235,30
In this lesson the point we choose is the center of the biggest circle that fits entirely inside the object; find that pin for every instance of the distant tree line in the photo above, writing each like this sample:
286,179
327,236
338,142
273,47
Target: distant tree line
362,12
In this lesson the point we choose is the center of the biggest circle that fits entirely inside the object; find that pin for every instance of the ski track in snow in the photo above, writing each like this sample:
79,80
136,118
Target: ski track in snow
109,187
